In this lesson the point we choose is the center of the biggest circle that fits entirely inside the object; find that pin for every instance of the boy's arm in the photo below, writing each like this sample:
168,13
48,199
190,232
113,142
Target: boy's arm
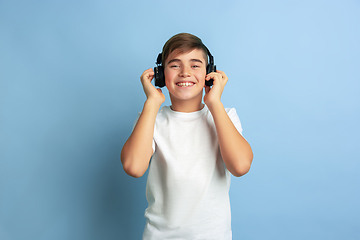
137,150
235,150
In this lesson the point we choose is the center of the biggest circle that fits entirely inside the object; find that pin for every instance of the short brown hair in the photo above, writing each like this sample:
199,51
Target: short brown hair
183,42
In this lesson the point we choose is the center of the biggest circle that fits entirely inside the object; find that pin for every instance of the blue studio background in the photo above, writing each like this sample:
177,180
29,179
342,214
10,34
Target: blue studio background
70,92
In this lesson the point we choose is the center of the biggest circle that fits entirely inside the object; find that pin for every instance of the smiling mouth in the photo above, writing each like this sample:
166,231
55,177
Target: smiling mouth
185,84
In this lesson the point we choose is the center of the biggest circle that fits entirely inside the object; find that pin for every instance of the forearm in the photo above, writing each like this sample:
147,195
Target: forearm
235,150
137,150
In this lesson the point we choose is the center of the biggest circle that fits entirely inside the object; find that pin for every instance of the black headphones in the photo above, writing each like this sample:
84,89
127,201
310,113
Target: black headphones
160,76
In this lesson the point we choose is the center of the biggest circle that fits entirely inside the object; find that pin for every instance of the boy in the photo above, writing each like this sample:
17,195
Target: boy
193,146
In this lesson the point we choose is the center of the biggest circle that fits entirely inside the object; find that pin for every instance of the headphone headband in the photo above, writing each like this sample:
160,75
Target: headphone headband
211,58
159,59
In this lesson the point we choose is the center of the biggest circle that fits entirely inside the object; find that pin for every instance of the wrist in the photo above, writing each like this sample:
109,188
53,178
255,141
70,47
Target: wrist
214,106
154,103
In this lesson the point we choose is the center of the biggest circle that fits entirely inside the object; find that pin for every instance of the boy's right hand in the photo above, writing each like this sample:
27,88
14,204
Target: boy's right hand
151,92
138,149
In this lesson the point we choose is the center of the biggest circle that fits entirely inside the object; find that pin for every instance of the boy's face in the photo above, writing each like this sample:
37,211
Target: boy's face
185,75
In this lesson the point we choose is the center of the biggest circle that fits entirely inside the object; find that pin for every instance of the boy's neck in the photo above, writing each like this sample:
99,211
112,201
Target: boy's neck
186,107
189,105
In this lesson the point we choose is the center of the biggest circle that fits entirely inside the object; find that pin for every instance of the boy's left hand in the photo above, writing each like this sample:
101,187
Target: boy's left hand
213,94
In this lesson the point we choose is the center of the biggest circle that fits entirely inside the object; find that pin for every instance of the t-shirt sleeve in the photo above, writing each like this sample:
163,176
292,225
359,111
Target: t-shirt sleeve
136,120
234,118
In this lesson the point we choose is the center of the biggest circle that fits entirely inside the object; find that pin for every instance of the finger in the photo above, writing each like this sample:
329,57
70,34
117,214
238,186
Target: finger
149,70
214,76
149,75
211,75
222,74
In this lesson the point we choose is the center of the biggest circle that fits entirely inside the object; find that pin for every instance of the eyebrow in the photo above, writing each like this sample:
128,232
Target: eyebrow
191,60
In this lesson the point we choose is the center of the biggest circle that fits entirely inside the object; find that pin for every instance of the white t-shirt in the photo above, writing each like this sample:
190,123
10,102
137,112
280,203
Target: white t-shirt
188,183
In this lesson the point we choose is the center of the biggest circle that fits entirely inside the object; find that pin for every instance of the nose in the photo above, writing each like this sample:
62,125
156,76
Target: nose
185,72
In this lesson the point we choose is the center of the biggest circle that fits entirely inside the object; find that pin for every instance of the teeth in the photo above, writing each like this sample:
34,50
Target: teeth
185,84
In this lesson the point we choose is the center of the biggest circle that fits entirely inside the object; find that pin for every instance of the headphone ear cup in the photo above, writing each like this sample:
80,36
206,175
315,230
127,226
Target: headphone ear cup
159,76
210,68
